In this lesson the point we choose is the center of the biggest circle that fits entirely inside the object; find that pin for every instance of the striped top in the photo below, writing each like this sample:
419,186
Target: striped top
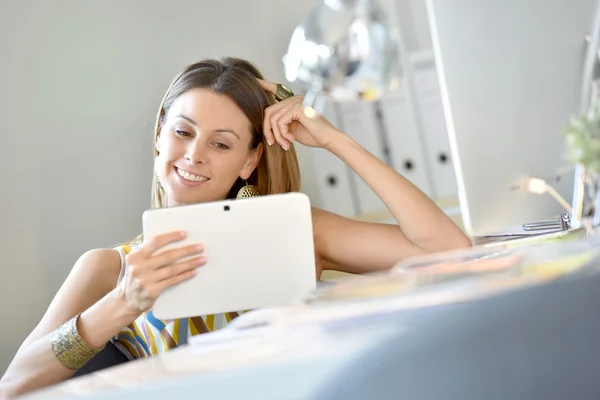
148,336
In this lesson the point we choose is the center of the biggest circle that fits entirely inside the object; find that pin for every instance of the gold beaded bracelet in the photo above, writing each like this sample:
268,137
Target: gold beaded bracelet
70,348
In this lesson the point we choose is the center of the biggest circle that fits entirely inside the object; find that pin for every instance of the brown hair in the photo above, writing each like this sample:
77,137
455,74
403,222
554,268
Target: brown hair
277,170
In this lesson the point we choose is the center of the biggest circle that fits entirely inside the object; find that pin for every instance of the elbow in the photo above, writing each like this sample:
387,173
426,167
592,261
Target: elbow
9,390
457,242
14,385
16,382
462,242
446,243
6,387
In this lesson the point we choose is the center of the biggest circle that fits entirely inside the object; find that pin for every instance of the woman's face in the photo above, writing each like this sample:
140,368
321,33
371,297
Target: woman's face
203,147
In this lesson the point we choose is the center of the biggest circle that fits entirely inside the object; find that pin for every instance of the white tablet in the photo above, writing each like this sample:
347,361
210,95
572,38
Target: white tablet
260,253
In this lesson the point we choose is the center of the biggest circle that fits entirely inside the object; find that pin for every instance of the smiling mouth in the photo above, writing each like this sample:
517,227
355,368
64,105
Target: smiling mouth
191,177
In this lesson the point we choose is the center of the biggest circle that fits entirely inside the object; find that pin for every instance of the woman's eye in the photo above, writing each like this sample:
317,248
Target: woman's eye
182,133
222,146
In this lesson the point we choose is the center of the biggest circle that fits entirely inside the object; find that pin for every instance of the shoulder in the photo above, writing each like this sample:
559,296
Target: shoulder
101,257
103,264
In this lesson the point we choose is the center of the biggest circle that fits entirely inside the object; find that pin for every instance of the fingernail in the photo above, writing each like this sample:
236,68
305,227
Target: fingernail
201,261
269,142
284,147
199,247
182,234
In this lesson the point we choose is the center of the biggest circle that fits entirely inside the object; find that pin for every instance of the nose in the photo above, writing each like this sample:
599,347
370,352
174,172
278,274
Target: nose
196,151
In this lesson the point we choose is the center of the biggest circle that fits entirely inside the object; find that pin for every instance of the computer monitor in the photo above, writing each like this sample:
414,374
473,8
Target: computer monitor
510,73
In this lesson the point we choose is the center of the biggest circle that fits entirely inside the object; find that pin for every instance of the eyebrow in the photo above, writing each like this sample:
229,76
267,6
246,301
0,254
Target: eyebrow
191,121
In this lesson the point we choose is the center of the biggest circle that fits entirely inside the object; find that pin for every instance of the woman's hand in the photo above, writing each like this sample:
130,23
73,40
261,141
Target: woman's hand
147,275
288,121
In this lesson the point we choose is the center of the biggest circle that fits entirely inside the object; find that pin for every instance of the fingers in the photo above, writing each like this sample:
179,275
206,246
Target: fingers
171,256
284,119
181,267
156,243
147,276
149,273
269,112
172,281
270,138
278,117
280,129
268,86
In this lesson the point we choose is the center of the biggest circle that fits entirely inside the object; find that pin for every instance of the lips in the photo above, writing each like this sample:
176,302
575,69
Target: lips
191,177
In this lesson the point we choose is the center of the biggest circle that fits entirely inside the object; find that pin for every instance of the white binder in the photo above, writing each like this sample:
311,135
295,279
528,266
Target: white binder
359,121
333,176
403,138
433,122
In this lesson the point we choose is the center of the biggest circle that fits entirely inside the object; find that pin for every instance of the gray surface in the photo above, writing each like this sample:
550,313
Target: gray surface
536,343
287,379
541,343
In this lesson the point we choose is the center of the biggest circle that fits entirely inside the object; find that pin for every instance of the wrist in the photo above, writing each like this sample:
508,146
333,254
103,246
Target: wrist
338,141
106,318
124,309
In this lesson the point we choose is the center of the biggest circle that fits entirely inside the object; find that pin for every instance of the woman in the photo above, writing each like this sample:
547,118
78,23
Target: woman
219,131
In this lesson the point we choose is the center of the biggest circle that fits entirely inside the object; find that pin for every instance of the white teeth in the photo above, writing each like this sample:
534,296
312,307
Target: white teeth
191,177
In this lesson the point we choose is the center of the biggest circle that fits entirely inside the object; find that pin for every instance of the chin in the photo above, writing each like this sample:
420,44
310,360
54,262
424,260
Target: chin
186,197
185,200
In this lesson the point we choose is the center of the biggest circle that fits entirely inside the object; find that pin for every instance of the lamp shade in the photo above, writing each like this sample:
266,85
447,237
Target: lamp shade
344,50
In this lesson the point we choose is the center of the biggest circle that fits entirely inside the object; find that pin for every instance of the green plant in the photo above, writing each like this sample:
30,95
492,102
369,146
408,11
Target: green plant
583,139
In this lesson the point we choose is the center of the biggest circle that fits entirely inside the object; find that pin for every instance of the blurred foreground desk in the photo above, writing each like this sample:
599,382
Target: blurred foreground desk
539,341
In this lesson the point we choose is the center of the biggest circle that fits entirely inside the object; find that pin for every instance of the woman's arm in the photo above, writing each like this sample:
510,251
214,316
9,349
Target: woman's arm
105,309
88,290
353,246
358,247
423,223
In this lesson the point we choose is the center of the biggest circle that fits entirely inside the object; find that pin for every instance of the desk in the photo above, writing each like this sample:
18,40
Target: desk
535,341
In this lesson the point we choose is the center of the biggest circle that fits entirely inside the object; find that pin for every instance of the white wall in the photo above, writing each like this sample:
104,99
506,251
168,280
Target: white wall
80,83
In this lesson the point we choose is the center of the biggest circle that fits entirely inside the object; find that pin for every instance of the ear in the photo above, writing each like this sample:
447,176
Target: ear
252,162
157,141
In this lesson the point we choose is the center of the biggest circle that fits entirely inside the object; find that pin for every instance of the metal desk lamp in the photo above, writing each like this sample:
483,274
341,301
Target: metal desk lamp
344,50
